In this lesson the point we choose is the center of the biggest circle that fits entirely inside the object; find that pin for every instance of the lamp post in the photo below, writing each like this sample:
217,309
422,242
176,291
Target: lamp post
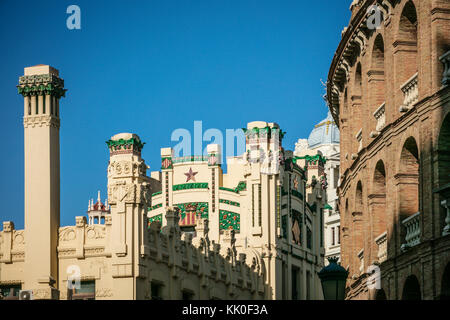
333,278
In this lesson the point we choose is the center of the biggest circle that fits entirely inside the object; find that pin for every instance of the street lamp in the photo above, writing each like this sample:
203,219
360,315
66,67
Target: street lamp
333,278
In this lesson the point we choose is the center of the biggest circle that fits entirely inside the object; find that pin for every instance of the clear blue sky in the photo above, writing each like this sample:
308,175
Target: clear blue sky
149,67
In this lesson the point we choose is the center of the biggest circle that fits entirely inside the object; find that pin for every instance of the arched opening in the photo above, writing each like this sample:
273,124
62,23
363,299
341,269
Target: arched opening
411,289
358,232
380,295
378,73
377,206
358,80
409,179
406,55
444,152
445,285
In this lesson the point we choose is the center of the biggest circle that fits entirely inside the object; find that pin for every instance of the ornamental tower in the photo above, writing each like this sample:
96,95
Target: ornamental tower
41,88
129,198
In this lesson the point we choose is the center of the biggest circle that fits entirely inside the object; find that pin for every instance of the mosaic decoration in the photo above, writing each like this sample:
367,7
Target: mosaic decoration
231,203
40,84
212,161
187,186
190,159
229,220
312,160
156,206
125,144
154,218
166,163
240,187
201,209
278,206
213,182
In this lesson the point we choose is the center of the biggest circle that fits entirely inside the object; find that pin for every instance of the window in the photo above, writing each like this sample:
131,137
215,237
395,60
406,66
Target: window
332,236
10,291
308,238
85,292
156,291
321,227
187,295
295,286
339,234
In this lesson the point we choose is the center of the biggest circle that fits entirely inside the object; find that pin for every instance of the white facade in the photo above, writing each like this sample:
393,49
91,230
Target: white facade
324,139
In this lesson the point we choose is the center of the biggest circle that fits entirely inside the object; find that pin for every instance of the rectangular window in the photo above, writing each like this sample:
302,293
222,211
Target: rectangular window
156,290
294,283
336,177
308,285
10,292
339,234
332,236
86,291
187,295
309,238
259,206
321,227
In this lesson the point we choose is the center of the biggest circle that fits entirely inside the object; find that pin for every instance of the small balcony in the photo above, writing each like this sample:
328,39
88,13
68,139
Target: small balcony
359,138
380,116
445,59
381,241
361,261
410,91
412,226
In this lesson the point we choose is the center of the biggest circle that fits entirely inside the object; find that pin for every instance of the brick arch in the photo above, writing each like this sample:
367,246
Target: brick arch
380,295
408,178
445,283
406,57
377,204
411,288
357,226
376,77
443,151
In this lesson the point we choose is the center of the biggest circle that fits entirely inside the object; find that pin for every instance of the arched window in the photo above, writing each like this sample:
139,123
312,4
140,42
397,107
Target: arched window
444,152
409,179
377,74
406,57
411,289
378,200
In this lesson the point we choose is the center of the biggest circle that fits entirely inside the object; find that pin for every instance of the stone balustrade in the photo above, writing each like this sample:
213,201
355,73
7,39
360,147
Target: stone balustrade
445,59
359,138
412,226
446,205
410,91
381,241
380,115
361,260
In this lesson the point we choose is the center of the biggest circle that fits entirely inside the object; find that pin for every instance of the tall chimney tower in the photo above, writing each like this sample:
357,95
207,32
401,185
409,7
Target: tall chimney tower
41,89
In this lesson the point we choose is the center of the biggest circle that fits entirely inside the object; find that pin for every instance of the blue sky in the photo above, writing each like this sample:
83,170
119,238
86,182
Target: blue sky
150,67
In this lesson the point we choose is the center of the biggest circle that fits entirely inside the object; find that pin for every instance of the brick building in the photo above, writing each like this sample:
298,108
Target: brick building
389,91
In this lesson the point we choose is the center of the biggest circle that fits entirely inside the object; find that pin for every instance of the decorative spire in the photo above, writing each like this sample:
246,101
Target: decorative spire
98,198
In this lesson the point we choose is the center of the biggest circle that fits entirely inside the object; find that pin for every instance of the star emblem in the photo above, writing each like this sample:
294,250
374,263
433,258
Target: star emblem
295,183
190,175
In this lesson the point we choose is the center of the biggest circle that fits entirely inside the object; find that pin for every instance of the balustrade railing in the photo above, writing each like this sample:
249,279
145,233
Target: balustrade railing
412,226
445,59
381,241
410,91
